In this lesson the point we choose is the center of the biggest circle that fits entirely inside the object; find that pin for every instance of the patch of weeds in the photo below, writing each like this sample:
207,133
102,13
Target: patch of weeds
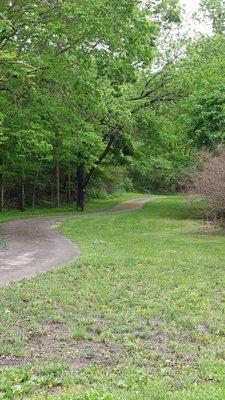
19,382
80,332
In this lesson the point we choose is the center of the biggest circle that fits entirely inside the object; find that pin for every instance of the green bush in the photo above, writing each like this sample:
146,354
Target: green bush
96,193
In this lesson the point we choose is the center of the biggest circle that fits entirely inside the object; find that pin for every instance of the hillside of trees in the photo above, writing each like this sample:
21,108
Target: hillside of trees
99,96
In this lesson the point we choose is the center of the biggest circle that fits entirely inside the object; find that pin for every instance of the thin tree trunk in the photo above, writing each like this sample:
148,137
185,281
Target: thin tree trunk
52,195
57,172
57,184
2,188
80,186
2,194
22,203
69,195
35,185
34,196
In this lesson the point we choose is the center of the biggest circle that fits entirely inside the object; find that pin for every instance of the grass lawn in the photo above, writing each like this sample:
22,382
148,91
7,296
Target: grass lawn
139,316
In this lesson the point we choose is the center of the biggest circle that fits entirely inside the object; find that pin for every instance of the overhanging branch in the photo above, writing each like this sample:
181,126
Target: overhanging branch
104,153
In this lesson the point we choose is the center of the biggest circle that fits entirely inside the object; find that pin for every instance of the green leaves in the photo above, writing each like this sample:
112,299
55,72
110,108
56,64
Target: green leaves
215,11
68,69
208,128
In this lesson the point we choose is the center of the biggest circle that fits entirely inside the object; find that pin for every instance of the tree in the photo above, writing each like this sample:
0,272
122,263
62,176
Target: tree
73,63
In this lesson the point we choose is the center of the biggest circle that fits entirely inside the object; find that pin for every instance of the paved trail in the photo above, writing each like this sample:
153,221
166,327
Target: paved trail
33,245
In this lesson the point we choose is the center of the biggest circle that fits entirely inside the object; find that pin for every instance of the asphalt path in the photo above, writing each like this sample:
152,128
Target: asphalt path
33,245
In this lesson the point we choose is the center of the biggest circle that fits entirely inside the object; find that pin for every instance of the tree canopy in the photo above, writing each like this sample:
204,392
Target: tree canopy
86,89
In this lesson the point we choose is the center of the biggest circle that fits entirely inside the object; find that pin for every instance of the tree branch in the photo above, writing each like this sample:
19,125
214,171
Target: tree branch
156,99
106,150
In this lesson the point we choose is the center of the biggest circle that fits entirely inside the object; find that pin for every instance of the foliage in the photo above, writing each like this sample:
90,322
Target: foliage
208,119
215,11
97,95
68,70
192,121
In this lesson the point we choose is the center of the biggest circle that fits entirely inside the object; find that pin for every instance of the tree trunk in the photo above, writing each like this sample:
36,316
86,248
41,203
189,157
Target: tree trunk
2,194
80,186
57,184
2,188
34,196
52,195
22,200
69,194
35,185
57,172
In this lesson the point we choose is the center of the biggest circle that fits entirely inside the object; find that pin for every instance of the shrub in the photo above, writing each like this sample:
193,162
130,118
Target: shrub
208,181
96,193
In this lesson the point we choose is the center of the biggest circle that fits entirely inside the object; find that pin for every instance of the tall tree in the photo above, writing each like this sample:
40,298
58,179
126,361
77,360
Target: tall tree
73,64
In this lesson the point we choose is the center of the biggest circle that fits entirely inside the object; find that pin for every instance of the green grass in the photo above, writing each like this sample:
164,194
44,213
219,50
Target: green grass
91,206
140,315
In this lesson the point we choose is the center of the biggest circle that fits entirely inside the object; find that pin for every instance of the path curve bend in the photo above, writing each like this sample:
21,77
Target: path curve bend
33,245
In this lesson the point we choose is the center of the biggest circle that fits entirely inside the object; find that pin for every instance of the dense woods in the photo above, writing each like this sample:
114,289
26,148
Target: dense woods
91,102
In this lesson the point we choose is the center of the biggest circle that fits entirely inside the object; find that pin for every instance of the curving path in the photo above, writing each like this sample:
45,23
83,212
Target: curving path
33,245
131,205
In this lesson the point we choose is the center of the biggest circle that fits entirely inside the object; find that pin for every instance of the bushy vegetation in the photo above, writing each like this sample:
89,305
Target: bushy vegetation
207,181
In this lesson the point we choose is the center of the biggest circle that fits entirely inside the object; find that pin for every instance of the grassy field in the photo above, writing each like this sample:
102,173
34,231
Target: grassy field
140,315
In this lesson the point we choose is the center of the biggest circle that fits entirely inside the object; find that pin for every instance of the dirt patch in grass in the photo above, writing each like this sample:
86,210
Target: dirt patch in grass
56,345
8,361
160,345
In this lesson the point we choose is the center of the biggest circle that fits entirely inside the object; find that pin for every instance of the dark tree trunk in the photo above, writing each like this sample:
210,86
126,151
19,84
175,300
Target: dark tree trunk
82,178
22,199
2,194
35,185
80,186
52,195
69,193
2,187
57,184
57,172
34,196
